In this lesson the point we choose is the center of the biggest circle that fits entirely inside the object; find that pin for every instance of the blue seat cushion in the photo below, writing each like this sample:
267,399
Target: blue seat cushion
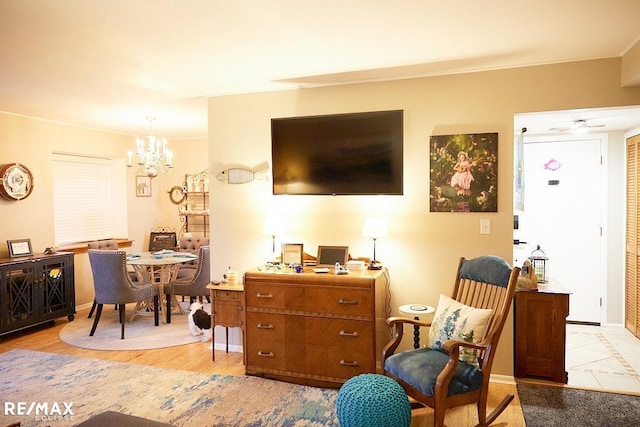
421,367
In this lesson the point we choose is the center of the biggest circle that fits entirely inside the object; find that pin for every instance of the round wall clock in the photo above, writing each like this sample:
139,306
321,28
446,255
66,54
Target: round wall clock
177,194
16,181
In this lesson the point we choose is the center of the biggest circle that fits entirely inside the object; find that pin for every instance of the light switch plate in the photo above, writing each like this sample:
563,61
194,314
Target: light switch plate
485,226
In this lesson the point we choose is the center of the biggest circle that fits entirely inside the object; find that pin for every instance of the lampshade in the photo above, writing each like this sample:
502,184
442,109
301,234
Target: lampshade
374,227
272,226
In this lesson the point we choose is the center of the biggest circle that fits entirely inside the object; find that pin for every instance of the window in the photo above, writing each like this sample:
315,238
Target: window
89,198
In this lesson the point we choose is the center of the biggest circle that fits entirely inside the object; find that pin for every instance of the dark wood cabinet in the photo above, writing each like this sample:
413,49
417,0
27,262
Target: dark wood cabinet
35,289
540,333
314,329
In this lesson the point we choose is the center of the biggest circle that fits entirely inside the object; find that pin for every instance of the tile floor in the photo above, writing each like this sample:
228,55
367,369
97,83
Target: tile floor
603,357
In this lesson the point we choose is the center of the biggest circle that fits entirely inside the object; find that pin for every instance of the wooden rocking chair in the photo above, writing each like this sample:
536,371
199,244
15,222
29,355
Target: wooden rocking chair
434,375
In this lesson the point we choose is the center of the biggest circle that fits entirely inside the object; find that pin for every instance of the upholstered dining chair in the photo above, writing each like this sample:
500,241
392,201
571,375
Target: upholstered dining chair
194,286
190,244
107,245
454,366
113,285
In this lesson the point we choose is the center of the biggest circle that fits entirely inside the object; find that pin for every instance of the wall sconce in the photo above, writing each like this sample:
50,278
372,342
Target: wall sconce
374,228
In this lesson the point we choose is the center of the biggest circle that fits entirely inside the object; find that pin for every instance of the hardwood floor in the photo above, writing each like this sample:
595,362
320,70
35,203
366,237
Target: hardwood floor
197,358
194,357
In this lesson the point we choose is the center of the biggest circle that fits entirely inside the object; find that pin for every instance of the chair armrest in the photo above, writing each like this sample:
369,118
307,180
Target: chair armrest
452,348
392,321
396,324
454,345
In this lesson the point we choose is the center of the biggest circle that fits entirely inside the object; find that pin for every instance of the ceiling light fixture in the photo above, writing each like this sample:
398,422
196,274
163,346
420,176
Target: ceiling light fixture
580,127
153,158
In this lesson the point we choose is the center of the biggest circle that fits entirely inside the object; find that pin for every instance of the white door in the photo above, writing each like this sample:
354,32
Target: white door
563,214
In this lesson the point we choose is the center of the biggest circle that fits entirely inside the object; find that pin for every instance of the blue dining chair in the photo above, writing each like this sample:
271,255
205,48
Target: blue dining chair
194,286
113,285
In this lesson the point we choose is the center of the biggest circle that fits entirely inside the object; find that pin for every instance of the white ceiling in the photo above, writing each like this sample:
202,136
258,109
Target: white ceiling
108,64
597,120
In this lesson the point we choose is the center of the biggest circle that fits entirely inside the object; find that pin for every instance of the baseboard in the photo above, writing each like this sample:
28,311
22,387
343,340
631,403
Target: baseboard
232,348
83,306
577,322
502,379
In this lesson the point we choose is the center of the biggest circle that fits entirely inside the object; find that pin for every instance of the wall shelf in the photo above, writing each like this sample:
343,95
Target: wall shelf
194,209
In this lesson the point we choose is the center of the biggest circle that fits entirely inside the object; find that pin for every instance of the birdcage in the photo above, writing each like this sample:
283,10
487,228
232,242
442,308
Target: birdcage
540,264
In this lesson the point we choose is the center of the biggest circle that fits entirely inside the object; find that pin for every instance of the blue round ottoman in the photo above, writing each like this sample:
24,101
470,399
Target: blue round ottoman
372,400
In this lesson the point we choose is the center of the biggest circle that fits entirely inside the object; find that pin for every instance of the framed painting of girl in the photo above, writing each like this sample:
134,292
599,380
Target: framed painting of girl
463,173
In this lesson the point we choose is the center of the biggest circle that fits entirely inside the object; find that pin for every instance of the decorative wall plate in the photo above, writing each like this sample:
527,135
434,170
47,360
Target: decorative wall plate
16,181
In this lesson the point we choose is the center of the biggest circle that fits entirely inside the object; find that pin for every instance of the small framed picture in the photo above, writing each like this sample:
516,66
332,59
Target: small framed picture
292,253
19,248
329,255
143,186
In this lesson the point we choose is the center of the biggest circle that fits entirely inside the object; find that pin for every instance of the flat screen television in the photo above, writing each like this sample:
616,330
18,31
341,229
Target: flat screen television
338,154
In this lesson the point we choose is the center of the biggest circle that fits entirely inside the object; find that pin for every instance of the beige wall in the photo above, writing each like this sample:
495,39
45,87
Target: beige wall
631,66
423,248
32,142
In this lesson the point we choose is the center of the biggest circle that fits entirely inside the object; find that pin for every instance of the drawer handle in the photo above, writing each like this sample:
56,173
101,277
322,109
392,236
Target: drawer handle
265,326
349,363
265,354
349,334
260,295
348,301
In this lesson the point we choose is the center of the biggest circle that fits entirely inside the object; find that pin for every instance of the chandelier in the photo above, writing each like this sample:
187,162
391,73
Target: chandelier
153,158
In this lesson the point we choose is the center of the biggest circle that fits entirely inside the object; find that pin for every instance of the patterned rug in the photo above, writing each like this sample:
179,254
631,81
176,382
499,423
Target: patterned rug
71,389
139,333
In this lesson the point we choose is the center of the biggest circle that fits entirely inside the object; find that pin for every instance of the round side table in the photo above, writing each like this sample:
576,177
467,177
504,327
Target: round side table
417,310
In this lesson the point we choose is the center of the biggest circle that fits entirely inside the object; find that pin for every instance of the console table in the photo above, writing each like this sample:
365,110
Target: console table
540,332
317,329
36,289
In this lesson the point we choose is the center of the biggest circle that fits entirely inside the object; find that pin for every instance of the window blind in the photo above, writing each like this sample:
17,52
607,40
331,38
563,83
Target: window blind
84,199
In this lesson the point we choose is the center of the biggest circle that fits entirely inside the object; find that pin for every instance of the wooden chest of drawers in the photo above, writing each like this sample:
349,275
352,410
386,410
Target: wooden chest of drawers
314,329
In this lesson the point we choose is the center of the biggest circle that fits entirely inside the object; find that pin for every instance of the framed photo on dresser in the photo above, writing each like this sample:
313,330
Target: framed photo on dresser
329,255
292,253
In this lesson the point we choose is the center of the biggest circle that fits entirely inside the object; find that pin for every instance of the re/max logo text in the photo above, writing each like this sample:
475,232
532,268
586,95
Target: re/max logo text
46,409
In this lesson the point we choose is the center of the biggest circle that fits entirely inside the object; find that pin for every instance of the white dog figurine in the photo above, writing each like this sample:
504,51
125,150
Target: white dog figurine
198,319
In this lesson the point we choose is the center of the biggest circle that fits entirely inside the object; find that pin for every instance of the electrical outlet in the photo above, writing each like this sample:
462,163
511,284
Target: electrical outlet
485,226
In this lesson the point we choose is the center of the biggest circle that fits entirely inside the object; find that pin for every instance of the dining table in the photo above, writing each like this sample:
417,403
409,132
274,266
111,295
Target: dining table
161,268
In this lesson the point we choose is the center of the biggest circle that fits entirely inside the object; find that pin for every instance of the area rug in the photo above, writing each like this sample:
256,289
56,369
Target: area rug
87,387
139,333
545,406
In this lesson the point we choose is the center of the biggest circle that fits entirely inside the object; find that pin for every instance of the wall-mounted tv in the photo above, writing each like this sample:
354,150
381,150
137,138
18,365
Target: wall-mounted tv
338,154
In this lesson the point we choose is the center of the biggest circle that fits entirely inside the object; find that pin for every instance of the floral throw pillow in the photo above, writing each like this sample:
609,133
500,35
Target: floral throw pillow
454,320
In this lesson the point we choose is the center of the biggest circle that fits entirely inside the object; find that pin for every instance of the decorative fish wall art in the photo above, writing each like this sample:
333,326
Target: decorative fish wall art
242,175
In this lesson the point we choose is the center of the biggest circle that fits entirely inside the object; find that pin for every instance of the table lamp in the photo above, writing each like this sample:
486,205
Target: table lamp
272,227
374,228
